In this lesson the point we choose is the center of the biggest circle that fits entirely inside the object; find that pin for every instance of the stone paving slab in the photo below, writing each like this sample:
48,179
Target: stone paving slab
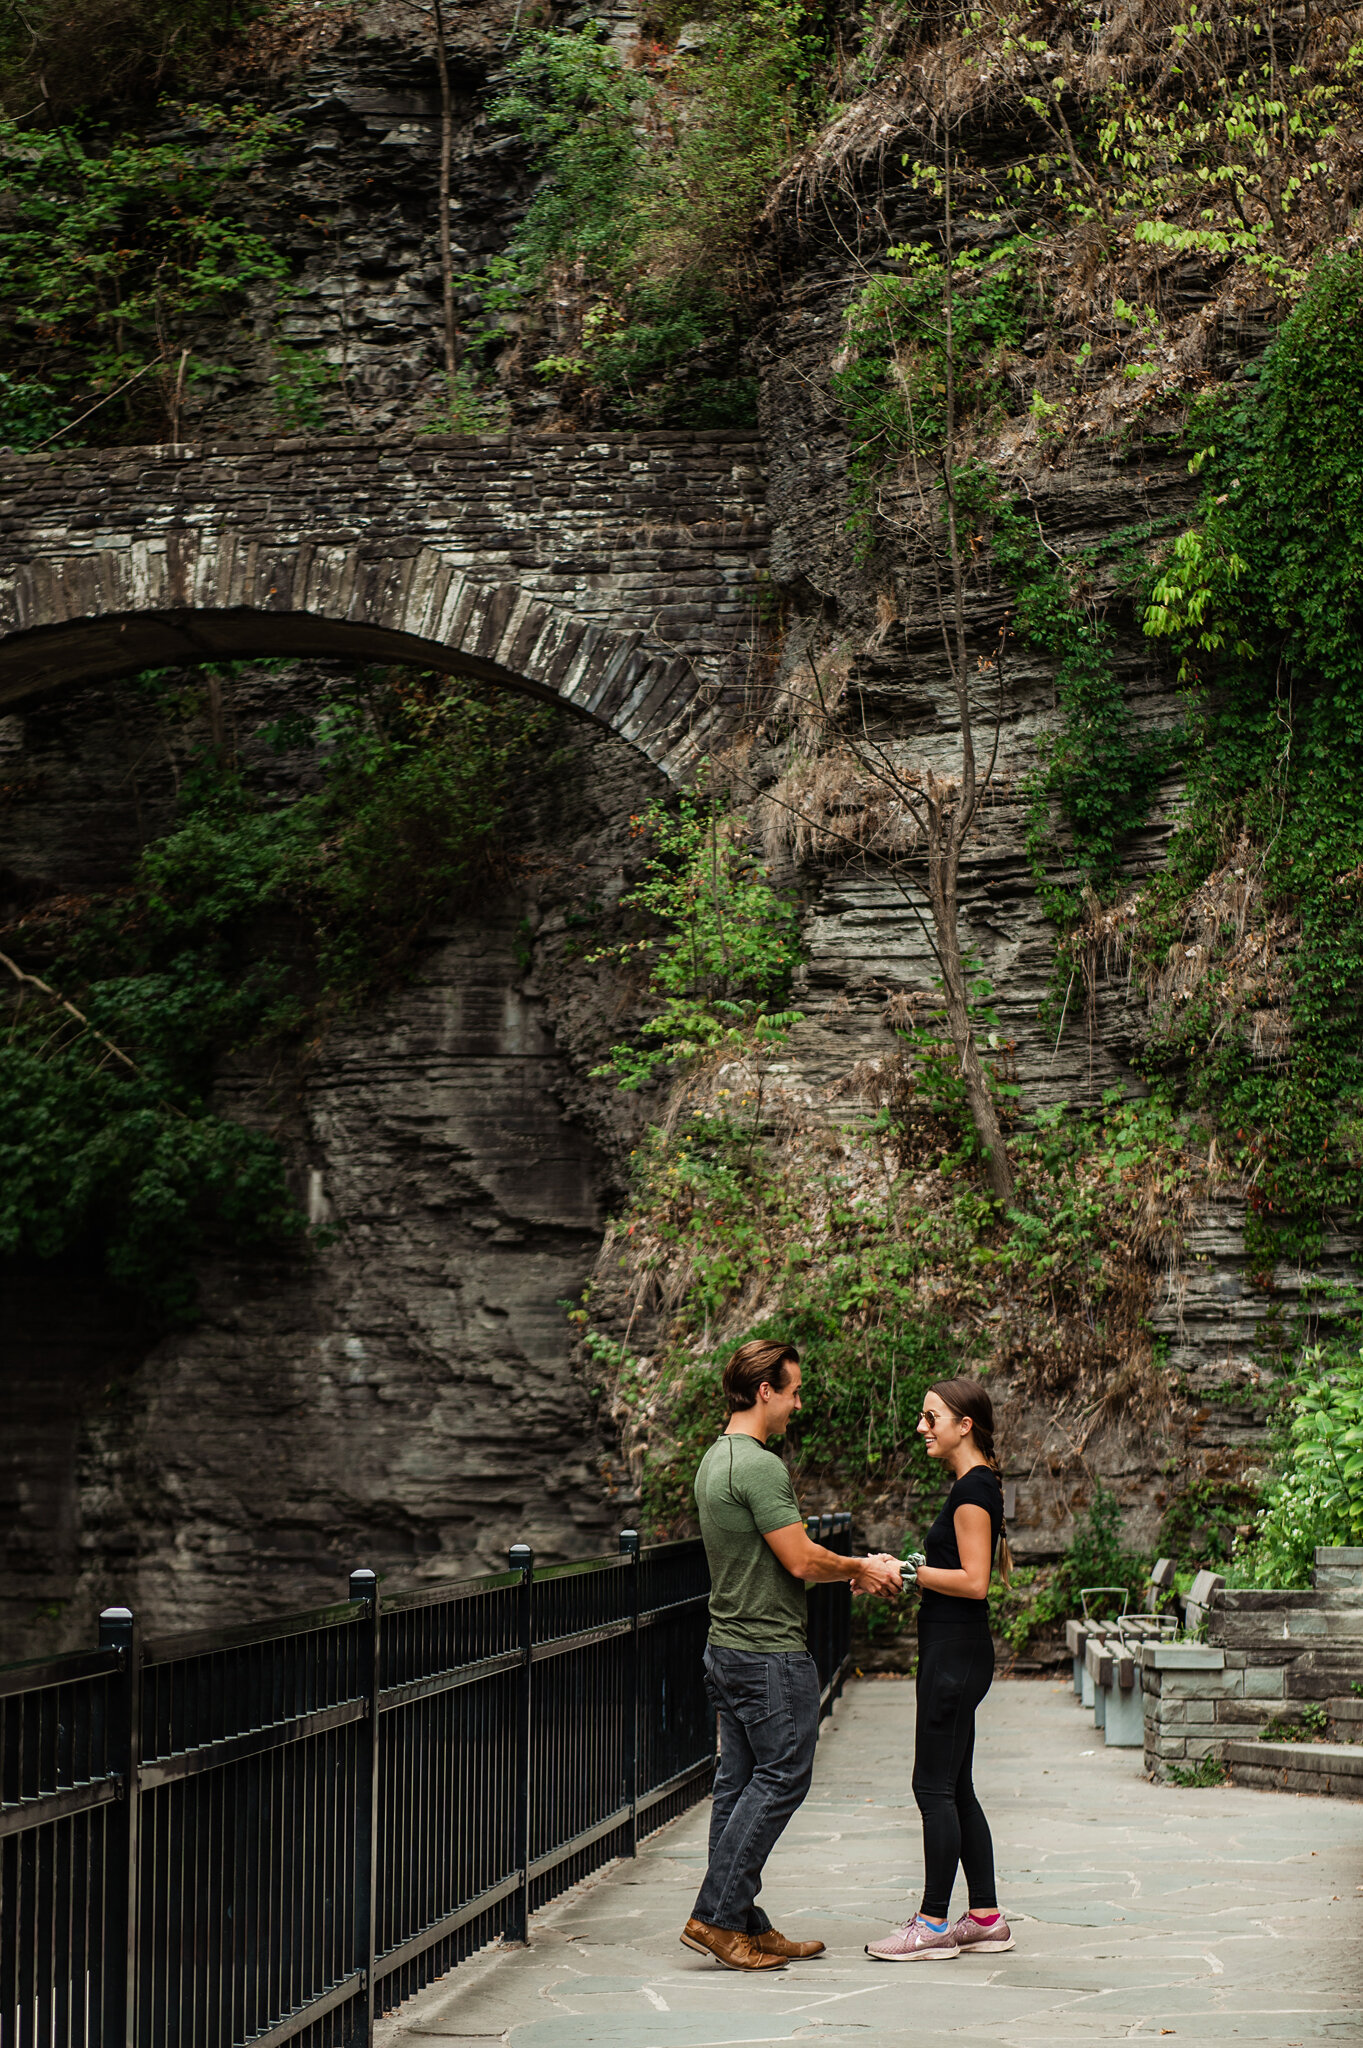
1140,1911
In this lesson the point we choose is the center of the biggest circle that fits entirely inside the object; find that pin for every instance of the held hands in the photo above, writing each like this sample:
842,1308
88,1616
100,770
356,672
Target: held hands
878,1574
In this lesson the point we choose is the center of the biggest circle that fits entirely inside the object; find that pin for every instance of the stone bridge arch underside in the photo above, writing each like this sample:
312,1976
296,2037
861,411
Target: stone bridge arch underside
617,576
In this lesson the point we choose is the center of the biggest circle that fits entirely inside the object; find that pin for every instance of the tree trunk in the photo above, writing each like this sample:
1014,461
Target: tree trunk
943,858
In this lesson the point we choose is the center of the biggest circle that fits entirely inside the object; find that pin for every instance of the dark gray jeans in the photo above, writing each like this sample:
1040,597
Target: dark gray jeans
768,1706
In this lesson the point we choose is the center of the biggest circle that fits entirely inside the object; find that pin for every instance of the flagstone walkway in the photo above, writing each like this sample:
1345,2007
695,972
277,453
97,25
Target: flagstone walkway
1140,1911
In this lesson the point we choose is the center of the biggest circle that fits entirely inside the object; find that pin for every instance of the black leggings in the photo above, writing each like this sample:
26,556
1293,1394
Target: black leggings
955,1669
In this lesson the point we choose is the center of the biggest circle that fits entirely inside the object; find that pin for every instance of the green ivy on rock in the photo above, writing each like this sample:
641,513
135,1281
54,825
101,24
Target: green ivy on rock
1096,769
1264,600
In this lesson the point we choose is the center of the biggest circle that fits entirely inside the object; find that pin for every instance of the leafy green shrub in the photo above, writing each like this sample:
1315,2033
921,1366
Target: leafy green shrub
891,377
301,375
29,411
1206,1772
247,920
1200,1524
720,965
636,245
114,246
1097,1556
1318,1499
1327,1431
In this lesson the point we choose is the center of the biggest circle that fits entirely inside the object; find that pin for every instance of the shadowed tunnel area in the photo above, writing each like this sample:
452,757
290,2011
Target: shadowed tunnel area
37,664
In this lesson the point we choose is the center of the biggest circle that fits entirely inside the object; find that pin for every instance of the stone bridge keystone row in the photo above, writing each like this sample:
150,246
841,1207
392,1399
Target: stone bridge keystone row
616,574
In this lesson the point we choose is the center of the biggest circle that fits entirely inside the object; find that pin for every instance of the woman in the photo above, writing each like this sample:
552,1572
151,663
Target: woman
955,1667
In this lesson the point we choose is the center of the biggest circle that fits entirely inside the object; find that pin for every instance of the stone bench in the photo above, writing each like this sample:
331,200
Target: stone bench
1080,1631
1117,1699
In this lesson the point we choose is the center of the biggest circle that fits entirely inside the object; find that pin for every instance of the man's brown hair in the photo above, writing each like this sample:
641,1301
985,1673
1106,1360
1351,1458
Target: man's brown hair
762,1358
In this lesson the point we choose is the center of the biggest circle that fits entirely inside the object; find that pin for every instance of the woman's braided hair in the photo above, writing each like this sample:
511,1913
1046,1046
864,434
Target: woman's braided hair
968,1401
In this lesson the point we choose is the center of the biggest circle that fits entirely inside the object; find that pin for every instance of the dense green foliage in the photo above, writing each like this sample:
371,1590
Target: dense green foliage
1264,602
1318,1495
891,374
636,246
719,1203
111,249
721,943
1202,1523
249,919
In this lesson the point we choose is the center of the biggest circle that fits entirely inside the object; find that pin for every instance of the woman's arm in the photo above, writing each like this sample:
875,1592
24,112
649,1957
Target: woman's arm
975,1542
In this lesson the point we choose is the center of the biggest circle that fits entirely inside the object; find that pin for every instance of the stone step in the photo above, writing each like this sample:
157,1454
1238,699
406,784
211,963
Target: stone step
1269,1599
1335,1768
1236,1630
1346,1713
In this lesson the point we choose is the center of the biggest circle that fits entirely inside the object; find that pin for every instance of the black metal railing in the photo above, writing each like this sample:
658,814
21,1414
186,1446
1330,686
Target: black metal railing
276,1832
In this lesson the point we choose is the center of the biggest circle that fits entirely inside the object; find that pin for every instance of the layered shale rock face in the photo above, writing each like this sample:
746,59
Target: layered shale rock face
401,1397
405,1398
871,617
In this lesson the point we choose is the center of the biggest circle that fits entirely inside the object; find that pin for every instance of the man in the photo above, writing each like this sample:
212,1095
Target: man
758,1670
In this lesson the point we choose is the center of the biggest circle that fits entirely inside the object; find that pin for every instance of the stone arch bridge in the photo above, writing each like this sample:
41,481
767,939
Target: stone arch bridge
616,574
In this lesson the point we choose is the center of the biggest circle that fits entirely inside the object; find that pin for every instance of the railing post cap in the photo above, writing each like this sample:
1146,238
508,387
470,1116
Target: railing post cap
117,1628
629,1542
520,1554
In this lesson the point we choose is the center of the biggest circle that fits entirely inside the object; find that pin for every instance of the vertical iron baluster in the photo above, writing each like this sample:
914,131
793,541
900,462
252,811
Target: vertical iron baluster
118,1630
364,1586
521,1559
629,1547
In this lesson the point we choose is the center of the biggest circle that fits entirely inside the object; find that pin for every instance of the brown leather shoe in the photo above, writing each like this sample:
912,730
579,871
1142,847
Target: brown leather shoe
773,1944
734,1951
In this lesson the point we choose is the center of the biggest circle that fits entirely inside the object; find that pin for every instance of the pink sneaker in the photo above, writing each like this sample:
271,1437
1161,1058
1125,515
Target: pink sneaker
985,1941
915,1942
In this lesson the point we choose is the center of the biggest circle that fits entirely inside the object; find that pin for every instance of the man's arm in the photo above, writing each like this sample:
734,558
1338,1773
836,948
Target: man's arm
810,1561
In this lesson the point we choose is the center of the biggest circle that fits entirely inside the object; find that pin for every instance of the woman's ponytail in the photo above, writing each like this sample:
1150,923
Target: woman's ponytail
968,1401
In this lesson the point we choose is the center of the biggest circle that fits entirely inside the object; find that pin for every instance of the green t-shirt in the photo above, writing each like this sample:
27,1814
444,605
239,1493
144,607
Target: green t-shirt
742,1491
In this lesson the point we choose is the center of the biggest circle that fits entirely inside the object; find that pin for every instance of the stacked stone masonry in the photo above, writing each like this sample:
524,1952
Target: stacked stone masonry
618,575
1267,1654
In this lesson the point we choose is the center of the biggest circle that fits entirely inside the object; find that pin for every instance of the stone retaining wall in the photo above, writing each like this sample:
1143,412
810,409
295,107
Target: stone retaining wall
1268,1653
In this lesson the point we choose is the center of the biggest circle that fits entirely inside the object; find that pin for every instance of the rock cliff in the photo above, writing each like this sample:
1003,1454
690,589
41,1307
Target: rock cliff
407,1397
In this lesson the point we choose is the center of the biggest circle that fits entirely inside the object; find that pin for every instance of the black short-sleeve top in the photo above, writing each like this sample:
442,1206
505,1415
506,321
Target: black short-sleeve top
980,1487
